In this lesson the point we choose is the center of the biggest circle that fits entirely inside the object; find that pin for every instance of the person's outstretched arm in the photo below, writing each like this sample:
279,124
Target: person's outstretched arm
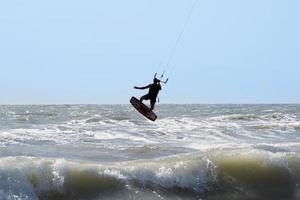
142,88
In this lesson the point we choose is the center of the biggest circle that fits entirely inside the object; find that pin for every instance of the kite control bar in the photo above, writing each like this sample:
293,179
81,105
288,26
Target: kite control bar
165,82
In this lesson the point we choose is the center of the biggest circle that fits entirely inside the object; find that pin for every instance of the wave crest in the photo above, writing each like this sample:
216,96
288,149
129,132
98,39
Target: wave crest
265,176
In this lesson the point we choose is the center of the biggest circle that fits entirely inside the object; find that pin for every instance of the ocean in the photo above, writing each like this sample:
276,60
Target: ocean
207,152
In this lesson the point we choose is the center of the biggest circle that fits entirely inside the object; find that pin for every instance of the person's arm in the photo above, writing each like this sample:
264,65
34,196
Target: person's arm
142,88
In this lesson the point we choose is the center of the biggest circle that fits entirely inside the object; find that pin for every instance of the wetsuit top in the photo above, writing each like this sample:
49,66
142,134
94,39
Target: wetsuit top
154,90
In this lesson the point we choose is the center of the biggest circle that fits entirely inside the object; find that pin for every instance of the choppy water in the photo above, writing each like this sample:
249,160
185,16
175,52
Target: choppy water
211,152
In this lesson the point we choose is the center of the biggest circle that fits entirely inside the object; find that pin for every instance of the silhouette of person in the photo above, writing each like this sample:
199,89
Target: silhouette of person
154,89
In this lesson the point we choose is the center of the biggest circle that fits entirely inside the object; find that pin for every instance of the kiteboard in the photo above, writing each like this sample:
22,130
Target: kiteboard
143,109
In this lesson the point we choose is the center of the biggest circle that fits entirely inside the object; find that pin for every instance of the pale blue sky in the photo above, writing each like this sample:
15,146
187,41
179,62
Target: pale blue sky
95,51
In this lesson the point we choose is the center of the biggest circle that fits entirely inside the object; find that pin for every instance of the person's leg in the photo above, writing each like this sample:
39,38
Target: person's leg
152,103
145,97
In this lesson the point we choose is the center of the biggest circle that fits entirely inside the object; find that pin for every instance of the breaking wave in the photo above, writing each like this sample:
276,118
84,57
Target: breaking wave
254,175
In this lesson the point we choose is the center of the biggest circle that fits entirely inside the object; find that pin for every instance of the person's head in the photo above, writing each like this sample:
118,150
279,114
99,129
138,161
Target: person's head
156,81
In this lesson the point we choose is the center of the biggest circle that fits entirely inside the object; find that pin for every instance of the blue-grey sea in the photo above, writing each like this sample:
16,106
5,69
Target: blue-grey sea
93,152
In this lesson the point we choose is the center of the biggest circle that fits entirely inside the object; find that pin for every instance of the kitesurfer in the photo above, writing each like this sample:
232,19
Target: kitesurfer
154,89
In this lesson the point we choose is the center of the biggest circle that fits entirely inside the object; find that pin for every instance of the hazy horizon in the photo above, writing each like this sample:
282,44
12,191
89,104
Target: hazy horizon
158,104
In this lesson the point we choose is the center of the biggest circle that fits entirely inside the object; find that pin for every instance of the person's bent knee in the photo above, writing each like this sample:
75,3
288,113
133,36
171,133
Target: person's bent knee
142,98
